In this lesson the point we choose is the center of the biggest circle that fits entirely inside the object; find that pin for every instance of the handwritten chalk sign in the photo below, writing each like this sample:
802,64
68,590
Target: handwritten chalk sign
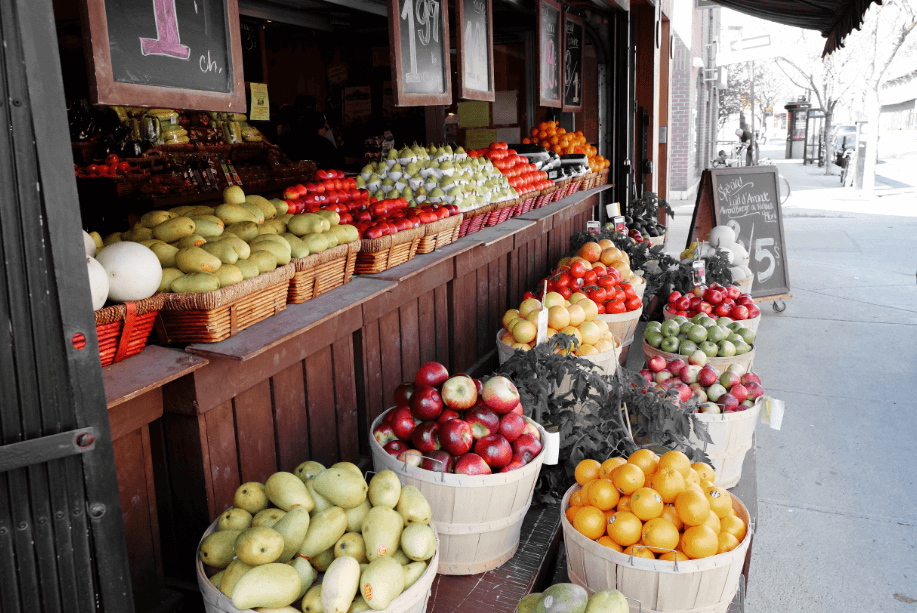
747,200
574,40
165,53
419,35
474,49
550,51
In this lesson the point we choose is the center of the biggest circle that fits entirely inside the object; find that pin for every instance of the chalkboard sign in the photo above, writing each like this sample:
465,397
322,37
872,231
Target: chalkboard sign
747,200
574,34
252,51
162,53
474,49
419,36
550,45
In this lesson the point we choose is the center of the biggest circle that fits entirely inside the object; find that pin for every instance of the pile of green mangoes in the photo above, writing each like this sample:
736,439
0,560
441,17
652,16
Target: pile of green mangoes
571,598
203,248
371,540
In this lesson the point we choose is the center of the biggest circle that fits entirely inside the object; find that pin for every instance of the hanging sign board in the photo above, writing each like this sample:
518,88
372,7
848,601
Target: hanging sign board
419,35
747,200
164,53
474,49
574,35
550,50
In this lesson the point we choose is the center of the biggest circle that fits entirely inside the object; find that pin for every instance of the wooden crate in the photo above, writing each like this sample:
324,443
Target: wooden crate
732,435
478,517
322,272
440,233
380,254
215,316
707,585
721,364
623,325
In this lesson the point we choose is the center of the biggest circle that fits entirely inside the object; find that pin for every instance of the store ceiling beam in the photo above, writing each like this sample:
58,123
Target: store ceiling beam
367,6
292,12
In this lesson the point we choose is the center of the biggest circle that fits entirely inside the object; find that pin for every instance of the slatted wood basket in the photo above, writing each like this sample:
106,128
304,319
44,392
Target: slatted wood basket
721,364
751,324
478,517
322,272
655,241
439,234
707,585
380,254
123,329
623,325
212,317
745,284
576,184
412,600
732,435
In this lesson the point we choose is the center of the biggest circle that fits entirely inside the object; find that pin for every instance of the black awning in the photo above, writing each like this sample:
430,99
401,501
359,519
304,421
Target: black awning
835,19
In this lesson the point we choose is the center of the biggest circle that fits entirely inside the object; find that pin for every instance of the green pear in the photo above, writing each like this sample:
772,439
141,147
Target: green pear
359,605
400,557
322,503
418,541
384,489
527,604
412,572
257,546
267,518
565,597
381,532
413,506
307,574
251,497
325,529
356,515
270,585
351,544
232,574
341,486
217,548
217,579
234,519
382,582
312,601
608,601
322,561
286,490
292,527
341,582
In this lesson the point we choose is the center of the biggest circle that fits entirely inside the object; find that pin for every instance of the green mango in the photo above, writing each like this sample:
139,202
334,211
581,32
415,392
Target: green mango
174,229
265,260
229,275
195,283
195,259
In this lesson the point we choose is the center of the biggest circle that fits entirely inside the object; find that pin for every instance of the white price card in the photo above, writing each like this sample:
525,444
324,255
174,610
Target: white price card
593,226
772,411
700,272
551,447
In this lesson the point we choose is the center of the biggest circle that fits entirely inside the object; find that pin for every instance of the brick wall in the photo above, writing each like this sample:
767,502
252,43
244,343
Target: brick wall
681,160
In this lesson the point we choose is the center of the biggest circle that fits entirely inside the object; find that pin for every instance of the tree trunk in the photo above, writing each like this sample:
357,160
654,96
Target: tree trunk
829,148
872,140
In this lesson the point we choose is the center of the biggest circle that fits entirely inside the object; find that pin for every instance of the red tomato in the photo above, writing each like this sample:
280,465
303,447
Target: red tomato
633,304
112,159
104,169
565,292
615,308
562,280
600,307
124,167
591,277
597,294
93,170
577,270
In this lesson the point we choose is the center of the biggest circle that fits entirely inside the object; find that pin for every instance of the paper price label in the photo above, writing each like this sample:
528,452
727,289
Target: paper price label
542,327
700,272
620,226
551,446
772,411
593,226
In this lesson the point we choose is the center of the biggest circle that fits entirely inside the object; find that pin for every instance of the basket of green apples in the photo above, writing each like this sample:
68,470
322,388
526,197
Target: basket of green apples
724,342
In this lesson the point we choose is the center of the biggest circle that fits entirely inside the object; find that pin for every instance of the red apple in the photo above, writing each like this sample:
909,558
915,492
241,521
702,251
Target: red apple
403,394
455,436
656,363
517,461
750,377
698,392
426,437
739,312
739,391
459,393
662,376
511,426
501,395
689,373
384,434
446,415
684,392
710,407
705,307
483,421
472,464
494,449
753,311
528,446
699,290
437,461
707,376
411,457
675,366
647,374
431,374
729,378
733,292
426,403
722,310
754,390
395,447
532,430
518,410
728,402
402,422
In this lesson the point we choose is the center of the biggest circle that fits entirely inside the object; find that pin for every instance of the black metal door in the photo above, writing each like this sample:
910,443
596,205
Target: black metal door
62,545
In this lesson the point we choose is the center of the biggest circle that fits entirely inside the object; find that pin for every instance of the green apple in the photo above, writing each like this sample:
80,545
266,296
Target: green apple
707,321
747,335
680,319
682,337
737,368
698,318
710,348
723,321
653,338
742,348
727,349
669,344
655,325
734,326
687,347
670,328
686,326
734,338
717,333
697,333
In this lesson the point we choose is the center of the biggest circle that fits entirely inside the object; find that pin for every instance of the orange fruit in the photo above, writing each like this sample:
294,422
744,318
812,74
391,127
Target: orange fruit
606,541
669,483
571,513
590,522
624,504
586,471
603,495
713,522
692,477
720,500
704,484
624,528
727,542
669,513
639,552
700,542
628,478
705,471
533,132
734,526
692,508
645,459
694,487
609,465
659,534
646,504
576,500
669,556
676,460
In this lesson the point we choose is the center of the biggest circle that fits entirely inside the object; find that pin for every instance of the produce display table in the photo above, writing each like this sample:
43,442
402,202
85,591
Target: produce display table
133,392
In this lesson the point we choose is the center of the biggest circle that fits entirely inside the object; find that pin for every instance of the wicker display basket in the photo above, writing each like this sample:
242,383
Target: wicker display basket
501,212
707,585
439,234
380,254
602,178
123,329
212,317
562,188
575,184
322,272
546,196
588,181
732,435
721,364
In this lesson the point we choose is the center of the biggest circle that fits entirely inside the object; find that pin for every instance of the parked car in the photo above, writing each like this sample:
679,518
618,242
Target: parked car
839,132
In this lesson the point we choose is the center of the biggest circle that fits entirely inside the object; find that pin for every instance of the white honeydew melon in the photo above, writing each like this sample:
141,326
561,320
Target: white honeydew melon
98,282
737,273
748,272
722,236
738,251
134,272
89,245
730,256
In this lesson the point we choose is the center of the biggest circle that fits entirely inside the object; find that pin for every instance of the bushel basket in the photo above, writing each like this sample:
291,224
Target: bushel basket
732,435
623,325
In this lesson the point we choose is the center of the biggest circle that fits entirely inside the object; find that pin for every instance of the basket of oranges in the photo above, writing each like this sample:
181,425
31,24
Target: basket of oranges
658,530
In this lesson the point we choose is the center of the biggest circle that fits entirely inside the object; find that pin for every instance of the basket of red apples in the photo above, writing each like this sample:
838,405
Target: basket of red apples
716,301
465,444
729,403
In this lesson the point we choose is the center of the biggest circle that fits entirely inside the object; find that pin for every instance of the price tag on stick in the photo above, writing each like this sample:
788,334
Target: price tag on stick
593,226
542,335
620,226
700,272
